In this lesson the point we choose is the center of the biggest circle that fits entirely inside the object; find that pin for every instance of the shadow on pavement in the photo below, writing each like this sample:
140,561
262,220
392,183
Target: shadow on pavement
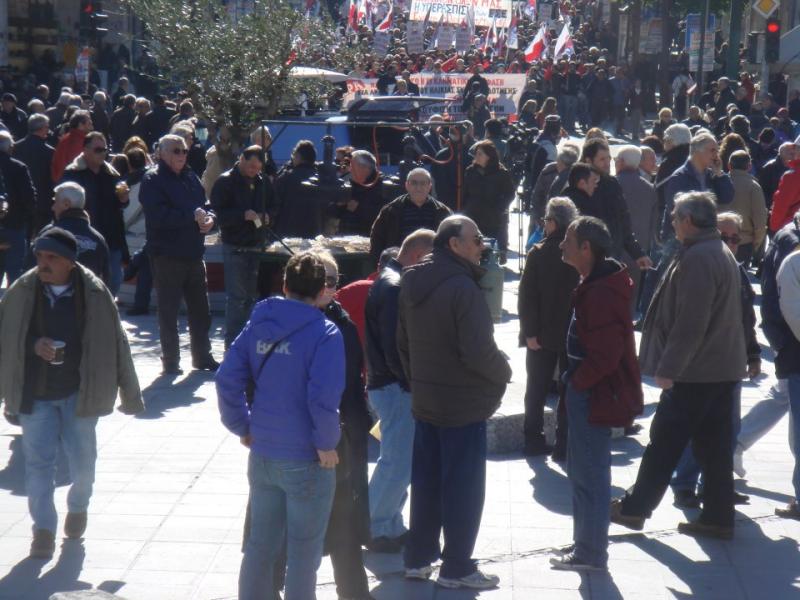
12,476
26,580
164,394
551,488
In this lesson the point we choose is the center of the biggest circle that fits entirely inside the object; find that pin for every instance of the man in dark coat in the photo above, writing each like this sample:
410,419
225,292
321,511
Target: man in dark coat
121,124
416,209
16,224
448,171
37,154
457,377
297,212
357,214
771,173
13,117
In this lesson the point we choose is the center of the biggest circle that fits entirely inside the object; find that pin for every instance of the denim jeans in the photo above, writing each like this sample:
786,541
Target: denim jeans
115,271
289,500
589,471
794,410
12,260
765,415
448,488
388,487
241,289
688,472
52,422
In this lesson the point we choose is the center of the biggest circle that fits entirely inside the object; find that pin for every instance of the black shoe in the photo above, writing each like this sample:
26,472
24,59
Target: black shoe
75,525
740,498
171,369
686,499
385,545
43,544
136,311
537,449
558,455
638,325
791,511
698,529
633,429
207,364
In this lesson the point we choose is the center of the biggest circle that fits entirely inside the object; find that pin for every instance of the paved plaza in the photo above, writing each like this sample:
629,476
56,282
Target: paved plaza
166,516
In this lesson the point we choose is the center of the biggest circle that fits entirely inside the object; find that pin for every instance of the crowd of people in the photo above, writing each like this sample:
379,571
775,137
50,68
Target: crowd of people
633,226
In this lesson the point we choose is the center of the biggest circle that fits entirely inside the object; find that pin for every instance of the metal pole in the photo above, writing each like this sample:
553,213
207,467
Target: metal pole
700,61
734,38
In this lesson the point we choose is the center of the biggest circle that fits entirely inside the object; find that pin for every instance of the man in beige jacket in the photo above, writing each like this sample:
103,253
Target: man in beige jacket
63,358
748,203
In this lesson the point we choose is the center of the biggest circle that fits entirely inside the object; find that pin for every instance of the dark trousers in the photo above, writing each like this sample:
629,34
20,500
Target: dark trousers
540,366
744,254
700,413
139,267
448,485
179,279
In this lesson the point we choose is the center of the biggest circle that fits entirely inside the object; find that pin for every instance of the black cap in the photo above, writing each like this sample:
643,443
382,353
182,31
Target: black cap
58,241
9,97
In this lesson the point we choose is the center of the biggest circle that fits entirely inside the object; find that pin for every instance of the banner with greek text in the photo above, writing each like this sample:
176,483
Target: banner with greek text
456,12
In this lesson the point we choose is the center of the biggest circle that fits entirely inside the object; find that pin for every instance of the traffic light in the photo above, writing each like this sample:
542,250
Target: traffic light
752,48
772,41
99,20
85,24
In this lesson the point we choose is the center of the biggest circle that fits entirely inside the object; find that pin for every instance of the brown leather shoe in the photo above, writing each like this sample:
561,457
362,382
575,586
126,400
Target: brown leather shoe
75,525
792,511
696,528
630,521
43,544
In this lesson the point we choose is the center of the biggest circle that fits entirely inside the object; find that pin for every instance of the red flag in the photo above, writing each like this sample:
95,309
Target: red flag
536,48
386,24
491,36
352,16
450,63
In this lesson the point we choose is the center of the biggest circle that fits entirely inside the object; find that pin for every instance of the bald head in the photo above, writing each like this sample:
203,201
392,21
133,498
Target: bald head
417,245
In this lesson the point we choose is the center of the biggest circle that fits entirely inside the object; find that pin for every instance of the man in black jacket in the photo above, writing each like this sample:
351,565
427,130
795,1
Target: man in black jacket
448,170
407,213
13,117
357,214
242,199
457,377
69,200
389,395
37,154
771,173
177,219
298,213
17,222
121,125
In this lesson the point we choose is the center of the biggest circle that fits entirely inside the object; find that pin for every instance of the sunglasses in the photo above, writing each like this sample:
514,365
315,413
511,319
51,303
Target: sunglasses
331,282
180,151
730,239
478,239
101,150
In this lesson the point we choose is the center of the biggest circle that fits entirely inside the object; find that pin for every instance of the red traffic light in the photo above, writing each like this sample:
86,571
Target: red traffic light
773,27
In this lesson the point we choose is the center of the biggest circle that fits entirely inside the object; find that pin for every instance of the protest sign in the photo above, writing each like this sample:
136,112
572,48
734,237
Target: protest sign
455,11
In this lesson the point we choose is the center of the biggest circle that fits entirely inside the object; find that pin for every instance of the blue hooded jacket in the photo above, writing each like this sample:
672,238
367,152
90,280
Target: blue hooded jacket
295,410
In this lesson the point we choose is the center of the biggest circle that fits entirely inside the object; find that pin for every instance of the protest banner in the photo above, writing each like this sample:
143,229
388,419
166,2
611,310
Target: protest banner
415,37
380,43
447,34
455,11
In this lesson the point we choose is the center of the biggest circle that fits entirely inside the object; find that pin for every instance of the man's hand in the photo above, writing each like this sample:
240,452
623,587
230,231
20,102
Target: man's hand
352,205
207,224
200,215
328,459
250,215
246,440
43,348
644,263
533,343
664,383
754,369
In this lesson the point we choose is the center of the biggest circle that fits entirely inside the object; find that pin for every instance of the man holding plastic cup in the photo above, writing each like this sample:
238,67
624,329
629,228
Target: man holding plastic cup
65,358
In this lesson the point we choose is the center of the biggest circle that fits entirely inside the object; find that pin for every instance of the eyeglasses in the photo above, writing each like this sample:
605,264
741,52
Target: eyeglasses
331,282
546,219
478,239
180,151
418,182
100,150
730,239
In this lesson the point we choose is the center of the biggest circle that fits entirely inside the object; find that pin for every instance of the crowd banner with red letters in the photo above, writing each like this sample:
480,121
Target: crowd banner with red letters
456,11
505,91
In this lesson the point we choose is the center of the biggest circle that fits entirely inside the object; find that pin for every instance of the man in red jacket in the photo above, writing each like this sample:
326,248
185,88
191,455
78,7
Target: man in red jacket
604,387
786,199
71,145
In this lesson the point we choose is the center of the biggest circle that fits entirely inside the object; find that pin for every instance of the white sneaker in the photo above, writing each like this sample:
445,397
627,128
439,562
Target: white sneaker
568,562
563,551
738,463
475,581
422,573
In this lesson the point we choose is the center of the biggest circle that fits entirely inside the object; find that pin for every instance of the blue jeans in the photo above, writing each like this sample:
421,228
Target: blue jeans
448,487
290,501
589,471
794,410
241,289
388,487
688,472
12,260
115,271
49,422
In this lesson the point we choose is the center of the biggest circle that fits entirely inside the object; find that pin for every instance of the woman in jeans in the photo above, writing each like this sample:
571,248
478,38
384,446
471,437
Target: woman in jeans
293,359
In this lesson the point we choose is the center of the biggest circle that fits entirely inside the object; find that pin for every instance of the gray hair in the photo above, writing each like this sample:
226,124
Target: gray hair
730,217
37,122
450,228
64,98
35,106
699,207
6,142
595,232
168,141
365,159
99,96
183,129
630,155
419,171
421,239
701,141
256,135
785,147
678,134
568,154
71,191
562,210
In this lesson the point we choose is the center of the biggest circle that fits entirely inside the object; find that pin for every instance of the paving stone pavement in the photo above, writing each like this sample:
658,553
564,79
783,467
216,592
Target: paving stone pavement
166,516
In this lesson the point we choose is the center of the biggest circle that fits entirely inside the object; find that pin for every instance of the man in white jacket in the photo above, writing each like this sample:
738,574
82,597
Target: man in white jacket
789,296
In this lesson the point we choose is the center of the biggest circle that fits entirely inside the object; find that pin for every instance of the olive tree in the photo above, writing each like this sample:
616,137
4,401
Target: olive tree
237,68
